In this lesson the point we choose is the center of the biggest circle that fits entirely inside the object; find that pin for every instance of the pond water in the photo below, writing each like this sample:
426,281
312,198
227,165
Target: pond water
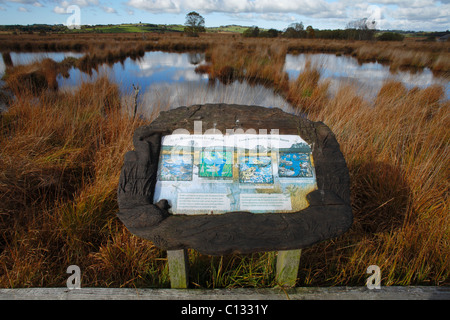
168,80
30,57
368,77
152,69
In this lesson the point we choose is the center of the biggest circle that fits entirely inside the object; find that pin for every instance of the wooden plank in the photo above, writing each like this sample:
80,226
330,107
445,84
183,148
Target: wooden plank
288,262
298,293
178,268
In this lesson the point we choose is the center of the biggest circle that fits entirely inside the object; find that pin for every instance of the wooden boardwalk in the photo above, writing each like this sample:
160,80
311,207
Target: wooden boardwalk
329,293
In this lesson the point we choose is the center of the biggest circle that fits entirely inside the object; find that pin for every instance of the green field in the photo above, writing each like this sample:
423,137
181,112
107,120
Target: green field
146,27
130,28
230,28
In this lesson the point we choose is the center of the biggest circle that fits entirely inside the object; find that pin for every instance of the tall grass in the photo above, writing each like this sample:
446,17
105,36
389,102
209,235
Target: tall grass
59,168
398,155
256,63
61,155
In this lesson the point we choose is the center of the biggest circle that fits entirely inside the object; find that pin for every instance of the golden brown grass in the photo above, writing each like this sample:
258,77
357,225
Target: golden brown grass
59,168
398,155
256,63
34,77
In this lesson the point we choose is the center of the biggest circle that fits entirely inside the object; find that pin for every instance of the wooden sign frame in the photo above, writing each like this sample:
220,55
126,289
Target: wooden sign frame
329,213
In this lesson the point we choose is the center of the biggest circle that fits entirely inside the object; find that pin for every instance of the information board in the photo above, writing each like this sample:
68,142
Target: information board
215,173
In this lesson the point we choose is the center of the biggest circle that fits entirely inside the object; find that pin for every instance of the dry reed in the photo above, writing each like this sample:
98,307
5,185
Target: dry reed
59,168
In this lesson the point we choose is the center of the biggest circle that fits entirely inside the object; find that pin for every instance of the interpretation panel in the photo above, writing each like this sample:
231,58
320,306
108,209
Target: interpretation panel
215,173
223,179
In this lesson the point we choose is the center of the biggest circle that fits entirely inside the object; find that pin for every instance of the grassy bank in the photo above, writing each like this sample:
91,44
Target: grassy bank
61,155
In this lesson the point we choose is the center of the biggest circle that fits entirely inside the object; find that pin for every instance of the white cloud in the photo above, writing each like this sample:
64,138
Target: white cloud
155,5
283,10
264,16
59,10
84,3
80,3
63,5
395,14
109,10
277,17
232,6
22,9
411,14
22,1
421,13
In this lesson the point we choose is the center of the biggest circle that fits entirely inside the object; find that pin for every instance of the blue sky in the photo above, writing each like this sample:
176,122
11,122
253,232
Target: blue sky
427,15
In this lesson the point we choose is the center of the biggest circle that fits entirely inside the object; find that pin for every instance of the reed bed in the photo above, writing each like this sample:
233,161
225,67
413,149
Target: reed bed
60,162
397,150
61,155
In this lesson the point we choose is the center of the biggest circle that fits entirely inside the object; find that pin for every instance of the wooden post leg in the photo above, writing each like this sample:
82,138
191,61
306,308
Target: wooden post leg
178,268
288,262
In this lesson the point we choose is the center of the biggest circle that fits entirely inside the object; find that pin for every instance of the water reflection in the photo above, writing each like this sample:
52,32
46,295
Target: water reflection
165,96
196,58
22,58
152,68
368,77
168,80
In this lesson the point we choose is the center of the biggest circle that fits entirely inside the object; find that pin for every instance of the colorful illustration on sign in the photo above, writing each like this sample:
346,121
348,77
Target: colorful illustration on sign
216,164
295,165
215,174
176,167
255,169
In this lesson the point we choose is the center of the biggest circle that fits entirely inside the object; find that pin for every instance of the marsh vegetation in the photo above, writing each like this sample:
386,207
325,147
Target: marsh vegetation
61,152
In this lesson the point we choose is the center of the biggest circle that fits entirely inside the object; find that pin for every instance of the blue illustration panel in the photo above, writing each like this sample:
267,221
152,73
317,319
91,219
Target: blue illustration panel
255,170
176,167
295,165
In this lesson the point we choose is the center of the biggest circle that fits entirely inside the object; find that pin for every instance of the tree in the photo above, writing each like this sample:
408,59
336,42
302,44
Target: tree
295,30
364,29
194,24
391,36
251,32
310,32
271,33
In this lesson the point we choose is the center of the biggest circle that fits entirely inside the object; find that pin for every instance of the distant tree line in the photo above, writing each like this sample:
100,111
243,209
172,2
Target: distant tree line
390,36
34,28
355,30
297,30
255,32
360,29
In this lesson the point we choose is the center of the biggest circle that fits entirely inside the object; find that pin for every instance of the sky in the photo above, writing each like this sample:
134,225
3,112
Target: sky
416,15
